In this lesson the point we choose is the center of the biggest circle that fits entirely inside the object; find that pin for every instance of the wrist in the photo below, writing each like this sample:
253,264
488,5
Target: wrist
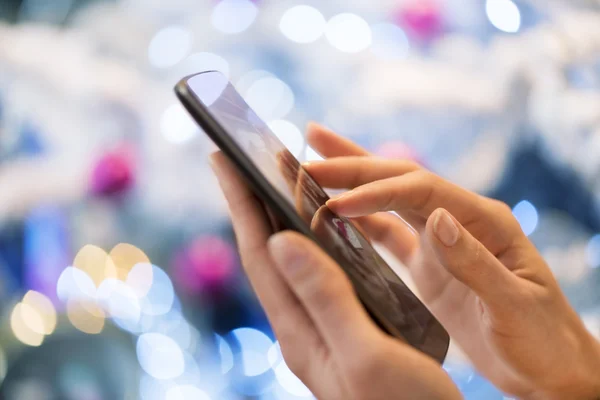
584,382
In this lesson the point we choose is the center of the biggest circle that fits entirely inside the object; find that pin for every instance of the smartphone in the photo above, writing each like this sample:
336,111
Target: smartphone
296,202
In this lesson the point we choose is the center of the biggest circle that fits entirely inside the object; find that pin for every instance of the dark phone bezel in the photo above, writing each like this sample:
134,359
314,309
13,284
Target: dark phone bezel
275,202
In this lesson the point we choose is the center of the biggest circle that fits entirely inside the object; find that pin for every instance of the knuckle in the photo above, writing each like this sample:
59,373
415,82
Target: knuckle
325,287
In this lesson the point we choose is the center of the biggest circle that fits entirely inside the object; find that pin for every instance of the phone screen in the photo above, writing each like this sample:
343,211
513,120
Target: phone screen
344,242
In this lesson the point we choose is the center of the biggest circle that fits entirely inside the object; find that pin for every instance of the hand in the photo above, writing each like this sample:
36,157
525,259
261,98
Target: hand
475,269
326,337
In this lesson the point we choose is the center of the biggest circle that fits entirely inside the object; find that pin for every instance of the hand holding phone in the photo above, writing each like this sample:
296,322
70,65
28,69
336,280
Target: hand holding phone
326,337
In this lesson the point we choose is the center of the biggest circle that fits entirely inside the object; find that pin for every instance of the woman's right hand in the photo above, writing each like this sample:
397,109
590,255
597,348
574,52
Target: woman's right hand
474,267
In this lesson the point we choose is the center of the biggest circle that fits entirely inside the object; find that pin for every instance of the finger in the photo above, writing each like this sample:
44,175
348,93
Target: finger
324,290
329,144
465,258
351,172
392,232
290,322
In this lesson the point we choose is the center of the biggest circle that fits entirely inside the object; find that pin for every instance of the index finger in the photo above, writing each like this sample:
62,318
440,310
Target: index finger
422,192
329,144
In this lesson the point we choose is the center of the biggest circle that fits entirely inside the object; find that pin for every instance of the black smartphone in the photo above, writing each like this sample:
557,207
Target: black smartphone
298,203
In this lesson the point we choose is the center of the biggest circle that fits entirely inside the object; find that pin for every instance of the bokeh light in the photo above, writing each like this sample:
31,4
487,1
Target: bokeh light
177,126
504,15
289,134
161,296
140,279
349,33
592,252
254,346
160,356
389,41
527,215
186,392
44,308
234,16
303,24
225,354
124,257
270,98
169,46
74,283
118,300
86,316
96,263
27,325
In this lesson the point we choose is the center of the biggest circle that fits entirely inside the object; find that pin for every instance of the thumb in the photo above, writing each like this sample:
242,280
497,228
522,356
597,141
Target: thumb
323,289
465,258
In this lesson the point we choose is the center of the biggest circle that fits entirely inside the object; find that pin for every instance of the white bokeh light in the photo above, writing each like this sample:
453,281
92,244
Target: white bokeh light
118,300
349,33
303,24
234,16
160,356
255,346
75,284
504,15
186,392
225,353
592,252
270,98
177,126
169,46
161,296
289,134
527,215
389,41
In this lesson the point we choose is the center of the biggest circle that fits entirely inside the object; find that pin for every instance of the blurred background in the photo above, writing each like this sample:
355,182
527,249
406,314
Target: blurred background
118,272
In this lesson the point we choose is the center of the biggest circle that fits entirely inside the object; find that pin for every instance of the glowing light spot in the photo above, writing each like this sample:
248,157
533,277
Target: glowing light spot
124,257
160,356
75,284
389,41
527,216
303,24
118,300
504,15
592,252
169,46
161,296
254,346
177,126
289,134
95,263
201,62
270,98
86,316
225,353
139,279
349,33
176,327
234,16
186,392
27,325
247,80
44,308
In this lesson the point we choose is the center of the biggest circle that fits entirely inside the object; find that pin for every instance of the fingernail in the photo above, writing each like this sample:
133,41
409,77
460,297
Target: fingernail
286,254
445,229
